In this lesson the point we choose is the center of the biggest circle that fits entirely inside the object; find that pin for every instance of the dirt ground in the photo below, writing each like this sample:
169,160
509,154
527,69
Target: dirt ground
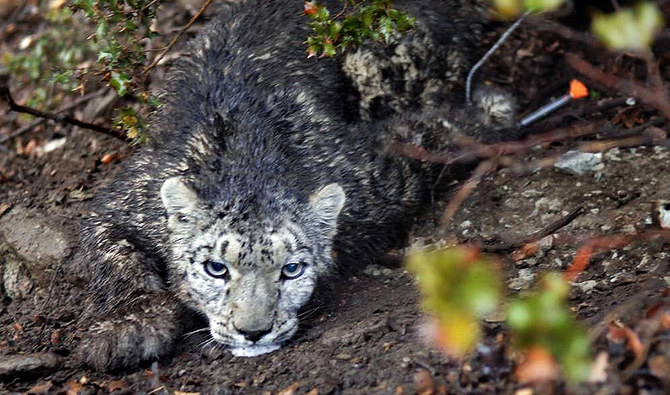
363,334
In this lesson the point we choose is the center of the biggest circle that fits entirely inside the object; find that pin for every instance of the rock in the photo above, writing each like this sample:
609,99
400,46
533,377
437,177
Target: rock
16,281
377,270
532,194
32,365
32,244
547,205
466,224
579,163
523,281
586,286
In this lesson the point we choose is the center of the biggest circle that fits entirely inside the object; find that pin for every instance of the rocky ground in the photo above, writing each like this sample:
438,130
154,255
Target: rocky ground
364,335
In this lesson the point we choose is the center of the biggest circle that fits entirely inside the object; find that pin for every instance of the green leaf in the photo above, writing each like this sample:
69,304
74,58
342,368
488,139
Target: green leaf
543,319
328,50
119,82
542,5
630,28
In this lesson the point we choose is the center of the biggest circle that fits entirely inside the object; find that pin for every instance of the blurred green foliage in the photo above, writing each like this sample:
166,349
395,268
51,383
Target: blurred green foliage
459,286
514,8
82,43
629,28
358,21
543,319
50,62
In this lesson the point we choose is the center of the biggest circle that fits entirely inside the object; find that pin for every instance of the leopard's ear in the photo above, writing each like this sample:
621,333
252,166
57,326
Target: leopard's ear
178,198
327,204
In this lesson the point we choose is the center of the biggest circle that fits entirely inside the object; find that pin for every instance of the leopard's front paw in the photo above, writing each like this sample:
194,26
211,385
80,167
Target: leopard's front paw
127,341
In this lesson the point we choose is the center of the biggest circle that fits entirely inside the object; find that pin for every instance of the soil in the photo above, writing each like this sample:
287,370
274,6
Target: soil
363,335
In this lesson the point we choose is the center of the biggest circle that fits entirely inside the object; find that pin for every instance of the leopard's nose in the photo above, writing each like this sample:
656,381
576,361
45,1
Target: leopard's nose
254,335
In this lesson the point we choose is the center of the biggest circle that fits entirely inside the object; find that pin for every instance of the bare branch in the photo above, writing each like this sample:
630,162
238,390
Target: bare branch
6,96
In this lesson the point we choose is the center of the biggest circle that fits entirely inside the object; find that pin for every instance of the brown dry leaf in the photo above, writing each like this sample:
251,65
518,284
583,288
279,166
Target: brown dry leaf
115,385
55,337
665,321
527,251
538,366
314,391
30,148
109,158
40,388
17,327
72,387
290,390
401,391
659,366
4,207
424,383
615,332
186,393
56,4
619,333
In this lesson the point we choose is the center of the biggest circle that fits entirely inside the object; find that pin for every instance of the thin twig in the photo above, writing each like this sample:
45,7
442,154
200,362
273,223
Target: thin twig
466,190
484,151
40,121
501,40
176,38
542,233
656,97
6,96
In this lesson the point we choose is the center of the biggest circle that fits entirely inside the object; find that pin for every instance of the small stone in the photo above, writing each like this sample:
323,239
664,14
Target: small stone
377,270
532,194
613,155
522,281
33,240
31,365
579,163
54,144
549,205
466,224
586,286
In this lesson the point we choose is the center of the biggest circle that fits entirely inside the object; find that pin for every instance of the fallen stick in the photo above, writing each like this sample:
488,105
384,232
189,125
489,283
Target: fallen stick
542,233
40,121
656,97
6,96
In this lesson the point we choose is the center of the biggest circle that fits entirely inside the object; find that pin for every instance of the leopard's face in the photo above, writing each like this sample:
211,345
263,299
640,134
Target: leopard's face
249,281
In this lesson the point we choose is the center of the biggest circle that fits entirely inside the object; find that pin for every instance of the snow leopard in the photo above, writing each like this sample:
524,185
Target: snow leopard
264,171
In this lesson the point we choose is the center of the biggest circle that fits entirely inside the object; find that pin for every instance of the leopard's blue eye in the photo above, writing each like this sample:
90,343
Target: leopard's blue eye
216,269
293,270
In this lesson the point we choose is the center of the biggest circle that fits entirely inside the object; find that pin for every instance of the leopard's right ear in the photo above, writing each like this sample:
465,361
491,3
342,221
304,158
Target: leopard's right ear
178,198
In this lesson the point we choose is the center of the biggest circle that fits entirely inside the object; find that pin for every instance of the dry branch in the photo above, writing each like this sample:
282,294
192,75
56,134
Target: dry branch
6,96
656,96
176,38
542,233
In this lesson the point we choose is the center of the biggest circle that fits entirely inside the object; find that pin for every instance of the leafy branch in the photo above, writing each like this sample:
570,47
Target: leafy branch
358,21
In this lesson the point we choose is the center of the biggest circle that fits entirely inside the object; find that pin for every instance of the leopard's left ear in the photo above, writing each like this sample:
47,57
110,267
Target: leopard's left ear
178,198
327,204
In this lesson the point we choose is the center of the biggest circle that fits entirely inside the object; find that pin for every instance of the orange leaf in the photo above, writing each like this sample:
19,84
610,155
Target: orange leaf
290,390
116,385
538,366
310,8
582,259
